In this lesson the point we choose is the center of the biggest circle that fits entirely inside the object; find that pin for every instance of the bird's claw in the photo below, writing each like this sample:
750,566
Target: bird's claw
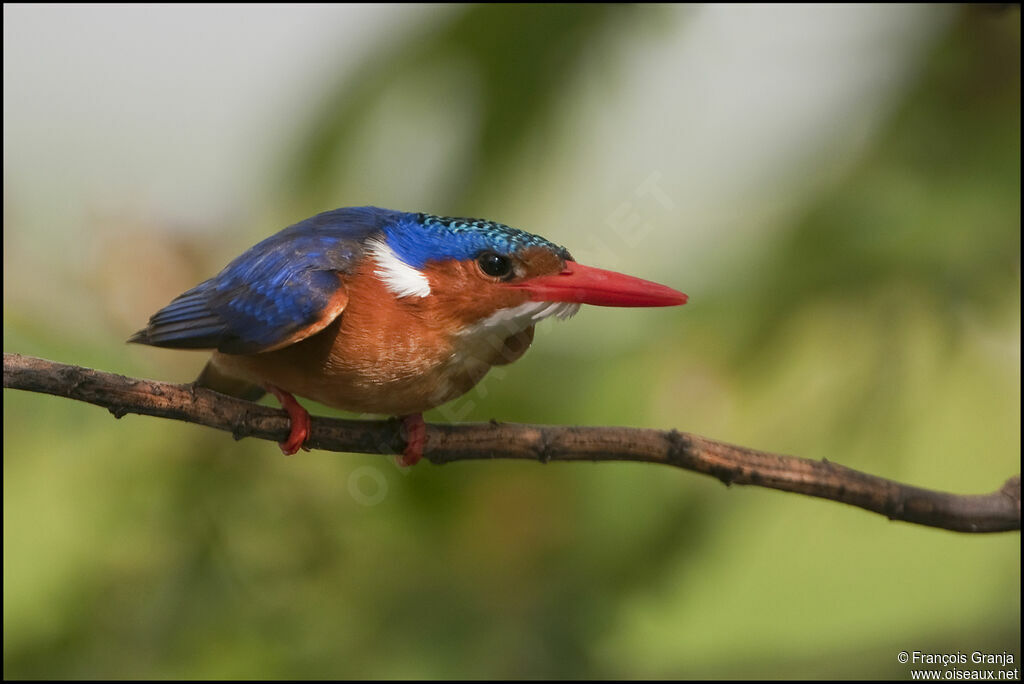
415,439
300,421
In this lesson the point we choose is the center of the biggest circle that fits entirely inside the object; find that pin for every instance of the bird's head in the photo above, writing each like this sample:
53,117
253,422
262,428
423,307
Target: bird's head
484,273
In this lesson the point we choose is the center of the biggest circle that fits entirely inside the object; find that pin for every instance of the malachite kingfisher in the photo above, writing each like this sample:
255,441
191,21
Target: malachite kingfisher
378,311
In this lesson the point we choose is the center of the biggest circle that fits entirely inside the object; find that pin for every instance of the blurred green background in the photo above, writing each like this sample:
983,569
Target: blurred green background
836,188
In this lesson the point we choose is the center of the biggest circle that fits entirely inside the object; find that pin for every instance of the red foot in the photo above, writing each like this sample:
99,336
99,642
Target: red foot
300,421
415,439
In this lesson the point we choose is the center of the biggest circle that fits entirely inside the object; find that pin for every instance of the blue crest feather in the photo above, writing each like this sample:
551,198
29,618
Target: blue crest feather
419,238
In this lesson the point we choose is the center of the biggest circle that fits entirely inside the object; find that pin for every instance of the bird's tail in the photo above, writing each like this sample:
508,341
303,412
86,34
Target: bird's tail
213,378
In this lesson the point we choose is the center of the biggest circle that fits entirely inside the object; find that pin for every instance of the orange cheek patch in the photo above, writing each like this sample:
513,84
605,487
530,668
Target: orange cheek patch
462,295
465,295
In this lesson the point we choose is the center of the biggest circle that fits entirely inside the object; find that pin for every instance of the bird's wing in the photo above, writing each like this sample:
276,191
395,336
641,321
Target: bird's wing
281,291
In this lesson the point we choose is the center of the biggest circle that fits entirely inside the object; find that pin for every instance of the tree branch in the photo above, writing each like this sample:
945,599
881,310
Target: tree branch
995,512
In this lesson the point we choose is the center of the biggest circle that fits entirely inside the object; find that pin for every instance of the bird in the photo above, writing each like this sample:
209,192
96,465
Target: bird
381,311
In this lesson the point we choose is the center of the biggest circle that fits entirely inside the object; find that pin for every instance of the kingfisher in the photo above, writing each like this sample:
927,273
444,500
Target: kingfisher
379,311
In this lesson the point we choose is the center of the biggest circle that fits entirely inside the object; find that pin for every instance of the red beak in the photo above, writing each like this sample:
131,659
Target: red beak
588,285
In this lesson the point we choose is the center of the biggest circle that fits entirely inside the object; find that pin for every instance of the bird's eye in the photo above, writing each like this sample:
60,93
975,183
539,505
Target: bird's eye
495,264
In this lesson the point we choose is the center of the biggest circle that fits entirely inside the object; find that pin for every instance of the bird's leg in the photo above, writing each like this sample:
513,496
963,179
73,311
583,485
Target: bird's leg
415,439
299,417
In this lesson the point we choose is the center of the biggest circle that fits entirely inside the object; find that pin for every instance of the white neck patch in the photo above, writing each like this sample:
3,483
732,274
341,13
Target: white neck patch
515,319
478,342
399,277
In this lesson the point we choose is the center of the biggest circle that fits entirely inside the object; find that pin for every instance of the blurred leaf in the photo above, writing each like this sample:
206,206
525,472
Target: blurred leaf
933,208
522,57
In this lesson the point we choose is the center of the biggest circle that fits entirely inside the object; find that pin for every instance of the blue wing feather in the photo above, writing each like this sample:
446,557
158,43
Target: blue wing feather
273,290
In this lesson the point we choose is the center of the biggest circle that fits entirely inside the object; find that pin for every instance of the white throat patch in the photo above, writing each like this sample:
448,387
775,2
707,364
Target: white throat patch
399,277
518,318
477,343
